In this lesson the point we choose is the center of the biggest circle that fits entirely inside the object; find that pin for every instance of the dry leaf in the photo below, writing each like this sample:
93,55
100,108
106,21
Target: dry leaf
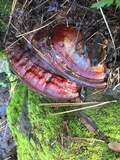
115,146
87,121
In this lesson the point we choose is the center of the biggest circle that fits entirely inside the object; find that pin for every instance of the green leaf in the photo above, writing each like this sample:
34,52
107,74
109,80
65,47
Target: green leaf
102,3
117,2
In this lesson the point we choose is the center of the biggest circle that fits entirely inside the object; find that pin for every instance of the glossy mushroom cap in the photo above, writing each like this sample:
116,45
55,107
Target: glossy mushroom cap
65,49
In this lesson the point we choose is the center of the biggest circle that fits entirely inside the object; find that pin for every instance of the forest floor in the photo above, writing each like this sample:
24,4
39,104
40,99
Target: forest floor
38,135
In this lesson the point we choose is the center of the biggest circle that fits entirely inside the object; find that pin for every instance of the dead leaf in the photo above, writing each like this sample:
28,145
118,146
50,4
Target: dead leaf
115,146
87,121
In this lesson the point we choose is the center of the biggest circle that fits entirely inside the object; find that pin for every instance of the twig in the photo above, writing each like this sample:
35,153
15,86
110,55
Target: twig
10,17
37,29
83,108
107,26
116,86
5,132
66,104
39,6
108,31
14,42
3,122
42,55
86,8
87,139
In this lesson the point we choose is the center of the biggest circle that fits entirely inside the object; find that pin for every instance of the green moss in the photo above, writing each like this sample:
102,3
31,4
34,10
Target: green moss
2,55
42,140
107,119
16,106
76,128
45,129
5,7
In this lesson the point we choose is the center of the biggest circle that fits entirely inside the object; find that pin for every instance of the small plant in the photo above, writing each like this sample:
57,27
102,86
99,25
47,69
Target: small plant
8,76
102,3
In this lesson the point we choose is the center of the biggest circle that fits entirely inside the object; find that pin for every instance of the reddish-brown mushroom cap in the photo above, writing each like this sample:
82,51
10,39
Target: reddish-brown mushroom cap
69,44
65,49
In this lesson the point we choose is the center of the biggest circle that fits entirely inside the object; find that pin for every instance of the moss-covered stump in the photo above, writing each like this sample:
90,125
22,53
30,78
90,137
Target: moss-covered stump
40,136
